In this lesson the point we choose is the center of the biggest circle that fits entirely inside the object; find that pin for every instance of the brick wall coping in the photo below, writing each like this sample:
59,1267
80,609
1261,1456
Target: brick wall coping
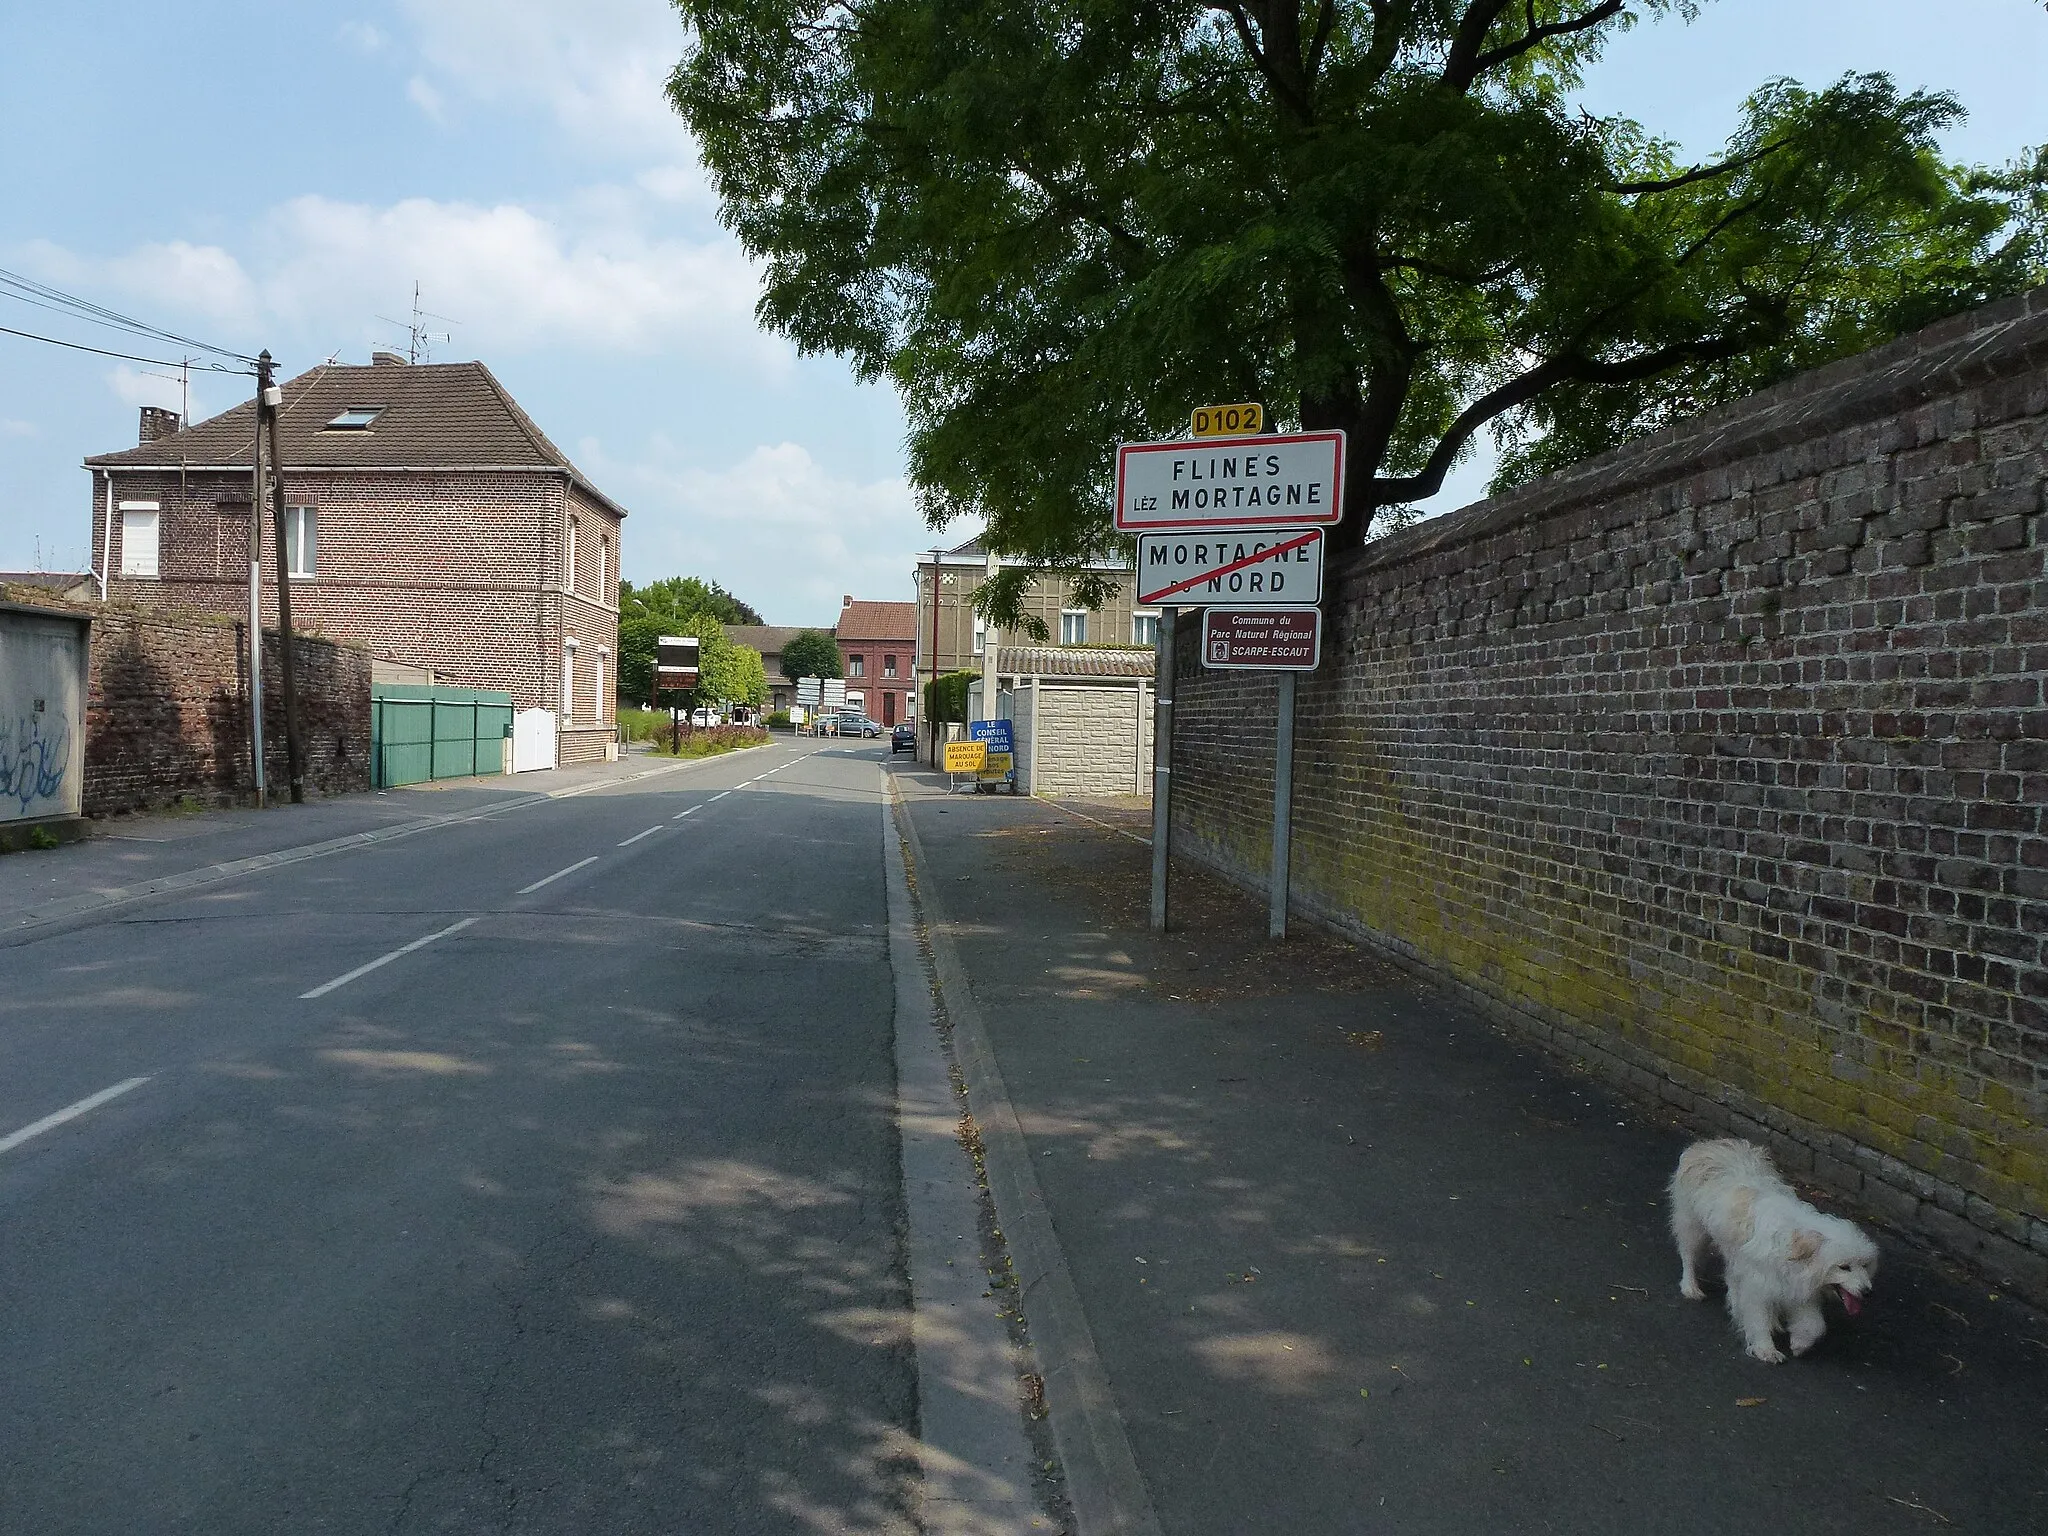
192,618
1976,347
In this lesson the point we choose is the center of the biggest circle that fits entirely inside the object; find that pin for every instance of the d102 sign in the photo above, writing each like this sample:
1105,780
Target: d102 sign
1262,639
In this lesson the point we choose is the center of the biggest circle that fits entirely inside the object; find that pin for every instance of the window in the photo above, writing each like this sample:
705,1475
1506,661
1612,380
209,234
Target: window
569,558
1073,626
597,710
888,666
568,681
356,418
138,538
980,634
1144,629
604,565
300,540
856,666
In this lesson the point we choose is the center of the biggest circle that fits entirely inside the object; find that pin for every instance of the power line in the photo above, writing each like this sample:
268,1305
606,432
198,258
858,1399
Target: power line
126,357
29,291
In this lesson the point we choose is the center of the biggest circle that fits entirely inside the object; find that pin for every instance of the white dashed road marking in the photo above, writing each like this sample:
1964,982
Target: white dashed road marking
70,1112
404,949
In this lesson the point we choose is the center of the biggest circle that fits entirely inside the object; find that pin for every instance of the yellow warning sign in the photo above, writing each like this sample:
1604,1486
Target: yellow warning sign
966,756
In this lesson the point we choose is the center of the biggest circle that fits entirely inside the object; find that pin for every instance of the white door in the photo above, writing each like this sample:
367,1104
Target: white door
533,740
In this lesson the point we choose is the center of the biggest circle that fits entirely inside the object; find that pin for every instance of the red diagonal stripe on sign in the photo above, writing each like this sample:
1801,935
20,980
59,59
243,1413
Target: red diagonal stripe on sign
1235,565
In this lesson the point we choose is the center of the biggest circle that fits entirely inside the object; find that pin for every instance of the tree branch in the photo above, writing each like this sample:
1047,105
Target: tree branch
1462,68
1698,172
1287,82
1526,387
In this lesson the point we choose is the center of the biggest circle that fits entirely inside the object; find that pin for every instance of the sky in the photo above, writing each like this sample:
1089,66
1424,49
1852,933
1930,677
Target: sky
280,176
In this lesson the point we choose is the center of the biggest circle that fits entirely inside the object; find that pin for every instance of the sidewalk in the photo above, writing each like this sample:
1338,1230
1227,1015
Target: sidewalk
126,855
1354,1262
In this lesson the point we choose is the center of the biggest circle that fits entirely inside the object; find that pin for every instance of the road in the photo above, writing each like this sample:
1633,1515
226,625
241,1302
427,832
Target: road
537,1172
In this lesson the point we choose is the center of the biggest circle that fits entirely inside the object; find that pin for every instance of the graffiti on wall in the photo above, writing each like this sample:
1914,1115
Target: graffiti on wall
34,758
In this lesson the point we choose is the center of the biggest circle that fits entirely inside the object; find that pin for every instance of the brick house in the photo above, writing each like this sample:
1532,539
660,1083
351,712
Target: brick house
769,639
878,653
961,637
429,519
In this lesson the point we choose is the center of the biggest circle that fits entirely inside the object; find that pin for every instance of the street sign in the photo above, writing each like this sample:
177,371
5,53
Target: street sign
807,691
1280,481
1280,567
1262,639
966,756
1000,745
834,693
675,662
1227,420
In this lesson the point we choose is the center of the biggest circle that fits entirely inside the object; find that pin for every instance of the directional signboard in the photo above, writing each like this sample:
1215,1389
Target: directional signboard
675,662
834,693
807,691
1279,568
1288,480
1262,639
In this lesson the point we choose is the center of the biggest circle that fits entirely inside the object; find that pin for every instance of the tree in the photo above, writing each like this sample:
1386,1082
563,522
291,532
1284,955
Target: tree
677,605
1062,225
811,653
688,594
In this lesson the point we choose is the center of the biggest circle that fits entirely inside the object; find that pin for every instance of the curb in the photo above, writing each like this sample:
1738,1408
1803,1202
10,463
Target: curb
1104,1486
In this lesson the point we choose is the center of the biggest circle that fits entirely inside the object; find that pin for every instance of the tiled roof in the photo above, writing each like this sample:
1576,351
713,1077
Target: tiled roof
431,416
878,621
1076,660
768,639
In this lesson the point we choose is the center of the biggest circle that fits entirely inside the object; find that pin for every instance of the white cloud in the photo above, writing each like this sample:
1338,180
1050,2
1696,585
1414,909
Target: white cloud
516,278
420,91
597,66
9,427
362,35
776,527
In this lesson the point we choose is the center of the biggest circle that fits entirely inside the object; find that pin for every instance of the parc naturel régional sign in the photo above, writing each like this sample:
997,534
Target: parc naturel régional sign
1231,482
1283,567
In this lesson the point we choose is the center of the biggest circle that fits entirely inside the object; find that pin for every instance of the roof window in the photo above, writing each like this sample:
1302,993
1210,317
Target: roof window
356,418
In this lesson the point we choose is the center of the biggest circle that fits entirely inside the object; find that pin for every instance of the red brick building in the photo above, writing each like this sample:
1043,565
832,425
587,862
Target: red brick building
877,644
430,520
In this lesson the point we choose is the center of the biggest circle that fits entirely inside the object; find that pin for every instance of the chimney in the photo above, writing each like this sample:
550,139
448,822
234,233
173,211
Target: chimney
846,601
158,422
385,359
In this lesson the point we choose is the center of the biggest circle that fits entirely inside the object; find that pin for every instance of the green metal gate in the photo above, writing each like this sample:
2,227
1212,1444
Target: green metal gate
419,733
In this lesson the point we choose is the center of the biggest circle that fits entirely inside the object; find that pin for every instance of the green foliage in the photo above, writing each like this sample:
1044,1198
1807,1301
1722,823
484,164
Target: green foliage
779,721
683,605
811,653
42,837
1062,225
945,697
709,742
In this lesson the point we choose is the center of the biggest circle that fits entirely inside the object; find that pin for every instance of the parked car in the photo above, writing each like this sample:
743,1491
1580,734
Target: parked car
859,725
903,739
703,719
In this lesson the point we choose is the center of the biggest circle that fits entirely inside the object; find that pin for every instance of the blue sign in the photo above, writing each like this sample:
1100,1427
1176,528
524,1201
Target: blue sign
996,733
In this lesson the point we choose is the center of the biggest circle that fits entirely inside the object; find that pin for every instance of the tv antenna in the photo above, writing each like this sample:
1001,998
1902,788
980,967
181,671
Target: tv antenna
183,379
419,341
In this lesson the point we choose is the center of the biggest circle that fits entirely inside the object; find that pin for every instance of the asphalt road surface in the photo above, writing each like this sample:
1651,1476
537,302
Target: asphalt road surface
534,1173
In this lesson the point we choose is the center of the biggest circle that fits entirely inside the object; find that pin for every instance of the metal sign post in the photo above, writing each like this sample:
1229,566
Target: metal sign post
1162,764
1233,515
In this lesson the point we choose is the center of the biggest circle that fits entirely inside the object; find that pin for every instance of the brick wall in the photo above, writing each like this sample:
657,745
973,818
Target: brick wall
1718,763
167,717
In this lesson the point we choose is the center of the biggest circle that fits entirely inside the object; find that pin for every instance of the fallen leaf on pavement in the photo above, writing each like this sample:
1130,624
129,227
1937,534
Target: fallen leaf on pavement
1750,1402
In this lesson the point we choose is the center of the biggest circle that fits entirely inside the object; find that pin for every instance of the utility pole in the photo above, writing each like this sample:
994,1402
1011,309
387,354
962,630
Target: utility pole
270,397
256,603
991,667
931,703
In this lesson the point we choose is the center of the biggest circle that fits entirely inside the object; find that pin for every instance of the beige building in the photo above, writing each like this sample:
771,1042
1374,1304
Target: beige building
961,638
1081,718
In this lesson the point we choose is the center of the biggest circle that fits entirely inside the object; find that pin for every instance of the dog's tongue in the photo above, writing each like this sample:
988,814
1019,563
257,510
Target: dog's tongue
1851,1302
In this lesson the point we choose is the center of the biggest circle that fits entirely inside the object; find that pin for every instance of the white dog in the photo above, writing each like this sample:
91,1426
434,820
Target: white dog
1781,1254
